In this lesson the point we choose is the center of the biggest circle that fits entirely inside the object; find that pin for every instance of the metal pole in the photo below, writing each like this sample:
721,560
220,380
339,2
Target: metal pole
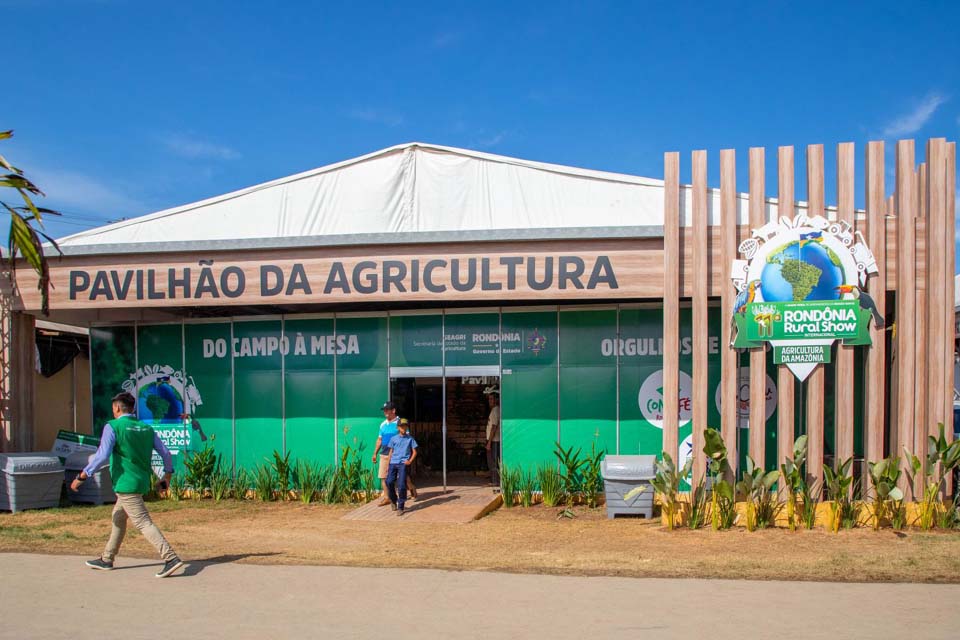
616,353
336,424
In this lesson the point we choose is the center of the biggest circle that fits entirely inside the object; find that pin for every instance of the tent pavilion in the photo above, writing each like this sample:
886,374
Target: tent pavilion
282,315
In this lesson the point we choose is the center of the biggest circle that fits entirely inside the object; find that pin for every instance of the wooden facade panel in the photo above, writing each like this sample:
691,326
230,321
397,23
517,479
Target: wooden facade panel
875,374
843,412
814,385
947,286
728,357
700,301
906,204
786,198
671,303
937,238
758,359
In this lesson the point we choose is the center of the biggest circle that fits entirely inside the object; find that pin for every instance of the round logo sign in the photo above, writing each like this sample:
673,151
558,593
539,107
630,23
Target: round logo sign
650,399
743,398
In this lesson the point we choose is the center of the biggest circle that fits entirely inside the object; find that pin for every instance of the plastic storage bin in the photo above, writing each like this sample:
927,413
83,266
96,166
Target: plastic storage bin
97,489
623,474
30,481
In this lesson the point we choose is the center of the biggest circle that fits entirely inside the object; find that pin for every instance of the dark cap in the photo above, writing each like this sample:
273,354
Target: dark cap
388,405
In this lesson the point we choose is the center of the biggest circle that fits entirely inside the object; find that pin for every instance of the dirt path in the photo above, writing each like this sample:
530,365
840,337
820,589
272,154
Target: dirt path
58,597
513,540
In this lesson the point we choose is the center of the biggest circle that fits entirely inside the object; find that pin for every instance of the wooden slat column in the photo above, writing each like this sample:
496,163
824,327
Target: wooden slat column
937,236
920,319
948,290
906,297
843,380
875,376
700,302
785,378
729,219
671,303
758,358
815,382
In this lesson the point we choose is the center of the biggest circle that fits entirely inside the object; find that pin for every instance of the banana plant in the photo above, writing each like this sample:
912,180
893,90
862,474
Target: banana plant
722,499
884,476
666,482
756,485
942,458
838,482
793,478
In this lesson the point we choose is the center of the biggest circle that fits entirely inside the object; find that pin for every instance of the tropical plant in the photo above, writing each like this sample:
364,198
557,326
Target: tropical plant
591,479
884,476
281,473
24,239
509,482
527,485
808,507
219,483
570,471
264,482
723,511
307,480
551,485
949,516
666,482
942,459
177,489
240,485
838,482
698,506
199,467
794,481
762,506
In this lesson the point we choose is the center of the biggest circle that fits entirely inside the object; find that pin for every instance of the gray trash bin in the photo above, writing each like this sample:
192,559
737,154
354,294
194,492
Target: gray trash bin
623,474
30,481
97,489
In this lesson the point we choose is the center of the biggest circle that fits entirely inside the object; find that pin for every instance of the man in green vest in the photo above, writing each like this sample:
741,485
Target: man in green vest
129,445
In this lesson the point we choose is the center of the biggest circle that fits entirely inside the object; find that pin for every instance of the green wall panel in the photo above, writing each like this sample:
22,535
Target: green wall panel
112,360
416,341
529,388
361,383
161,396
257,384
471,339
208,368
309,390
588,381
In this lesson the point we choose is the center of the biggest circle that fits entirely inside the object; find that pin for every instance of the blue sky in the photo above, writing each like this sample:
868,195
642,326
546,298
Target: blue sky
122,108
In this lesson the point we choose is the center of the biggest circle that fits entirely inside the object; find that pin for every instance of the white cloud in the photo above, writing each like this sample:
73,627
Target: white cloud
913,121
189,146
379,116
68,189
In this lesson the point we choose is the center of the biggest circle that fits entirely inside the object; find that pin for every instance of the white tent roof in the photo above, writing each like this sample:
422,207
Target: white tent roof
409,188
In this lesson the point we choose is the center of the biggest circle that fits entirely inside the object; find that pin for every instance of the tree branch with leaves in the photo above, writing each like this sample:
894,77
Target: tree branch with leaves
25,238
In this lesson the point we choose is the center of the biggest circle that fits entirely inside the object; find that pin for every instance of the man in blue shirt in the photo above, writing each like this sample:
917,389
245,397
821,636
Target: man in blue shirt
403,451
388,429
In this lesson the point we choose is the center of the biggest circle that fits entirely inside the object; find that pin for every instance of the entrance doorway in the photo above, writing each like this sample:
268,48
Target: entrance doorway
448,418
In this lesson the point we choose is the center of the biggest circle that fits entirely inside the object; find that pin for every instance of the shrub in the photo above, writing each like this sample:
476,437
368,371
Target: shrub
570,465
666,482
762,506
838,482
219,483
888,498
551,485
199,467
263,482
509,482
527,485
723,511
281,474
241,484
591,479
794,481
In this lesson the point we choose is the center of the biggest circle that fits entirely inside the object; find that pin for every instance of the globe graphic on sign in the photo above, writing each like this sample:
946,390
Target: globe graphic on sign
159,402
794,273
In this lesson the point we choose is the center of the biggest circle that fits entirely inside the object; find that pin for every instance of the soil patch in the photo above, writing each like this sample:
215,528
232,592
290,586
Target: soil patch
522,540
